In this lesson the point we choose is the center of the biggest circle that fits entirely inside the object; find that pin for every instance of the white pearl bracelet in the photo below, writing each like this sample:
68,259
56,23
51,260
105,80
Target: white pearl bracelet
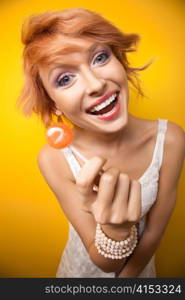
115,249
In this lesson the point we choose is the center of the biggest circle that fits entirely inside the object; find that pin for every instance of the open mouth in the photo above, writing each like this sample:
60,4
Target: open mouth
104,107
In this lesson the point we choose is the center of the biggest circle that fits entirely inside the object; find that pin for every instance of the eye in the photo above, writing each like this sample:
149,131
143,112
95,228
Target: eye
101,58
64,80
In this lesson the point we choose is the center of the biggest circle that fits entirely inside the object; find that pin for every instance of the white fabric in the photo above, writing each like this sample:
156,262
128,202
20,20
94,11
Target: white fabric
75,260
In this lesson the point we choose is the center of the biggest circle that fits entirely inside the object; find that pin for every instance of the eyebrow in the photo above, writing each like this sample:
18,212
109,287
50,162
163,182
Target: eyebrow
70,49
73,48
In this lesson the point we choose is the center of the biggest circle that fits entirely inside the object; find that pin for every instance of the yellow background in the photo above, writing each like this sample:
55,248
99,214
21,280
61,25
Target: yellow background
33,229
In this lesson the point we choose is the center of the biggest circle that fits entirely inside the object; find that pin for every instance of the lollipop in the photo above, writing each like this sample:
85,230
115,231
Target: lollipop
59,135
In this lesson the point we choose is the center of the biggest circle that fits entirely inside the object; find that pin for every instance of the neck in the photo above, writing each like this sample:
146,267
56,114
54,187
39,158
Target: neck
110,142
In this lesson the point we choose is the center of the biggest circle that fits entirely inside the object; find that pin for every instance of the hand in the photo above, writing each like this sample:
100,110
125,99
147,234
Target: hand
117,204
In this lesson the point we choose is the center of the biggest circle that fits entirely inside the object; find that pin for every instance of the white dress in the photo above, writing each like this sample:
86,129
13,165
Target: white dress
75,261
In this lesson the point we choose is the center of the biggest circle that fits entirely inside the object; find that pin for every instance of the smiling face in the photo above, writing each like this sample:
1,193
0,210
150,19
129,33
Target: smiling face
88,85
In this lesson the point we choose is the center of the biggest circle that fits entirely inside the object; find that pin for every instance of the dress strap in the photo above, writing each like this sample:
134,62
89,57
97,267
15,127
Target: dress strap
159,147
72,161
74,150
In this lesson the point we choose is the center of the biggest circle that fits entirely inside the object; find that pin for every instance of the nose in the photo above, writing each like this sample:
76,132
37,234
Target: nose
95,85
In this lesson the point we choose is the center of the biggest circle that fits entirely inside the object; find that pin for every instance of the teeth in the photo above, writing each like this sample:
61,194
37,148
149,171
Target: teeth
104,104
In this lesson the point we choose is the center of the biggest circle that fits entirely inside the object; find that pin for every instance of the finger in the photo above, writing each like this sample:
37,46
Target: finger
120,204
102,206
88,173
134,204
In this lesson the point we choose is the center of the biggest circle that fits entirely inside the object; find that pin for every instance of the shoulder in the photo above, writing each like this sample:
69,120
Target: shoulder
175,140
174,152
44,153
53,161
175,135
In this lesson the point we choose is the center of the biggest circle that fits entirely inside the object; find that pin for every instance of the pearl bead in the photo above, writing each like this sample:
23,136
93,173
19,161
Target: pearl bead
115,249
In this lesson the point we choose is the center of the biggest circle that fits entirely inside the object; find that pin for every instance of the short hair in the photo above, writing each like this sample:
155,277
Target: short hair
39,32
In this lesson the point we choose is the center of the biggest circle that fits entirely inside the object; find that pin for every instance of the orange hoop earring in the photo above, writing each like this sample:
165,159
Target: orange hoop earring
59,135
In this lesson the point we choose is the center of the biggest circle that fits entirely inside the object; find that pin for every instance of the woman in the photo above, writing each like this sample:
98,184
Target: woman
117,182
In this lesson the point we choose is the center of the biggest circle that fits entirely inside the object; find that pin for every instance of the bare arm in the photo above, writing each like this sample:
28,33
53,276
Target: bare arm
56,173
161,211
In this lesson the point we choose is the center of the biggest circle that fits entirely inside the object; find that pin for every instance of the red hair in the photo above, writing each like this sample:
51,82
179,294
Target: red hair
39,35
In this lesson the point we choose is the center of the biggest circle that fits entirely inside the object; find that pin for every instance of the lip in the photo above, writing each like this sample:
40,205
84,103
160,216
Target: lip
102,99
111,114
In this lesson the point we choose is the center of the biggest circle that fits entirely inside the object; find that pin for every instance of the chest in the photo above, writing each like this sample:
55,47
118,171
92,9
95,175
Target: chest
134,159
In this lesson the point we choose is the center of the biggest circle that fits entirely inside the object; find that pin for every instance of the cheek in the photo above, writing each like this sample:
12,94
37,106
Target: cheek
71,96
117,72
120,73
67,100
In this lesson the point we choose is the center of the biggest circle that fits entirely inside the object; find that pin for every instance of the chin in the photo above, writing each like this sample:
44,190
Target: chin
116,126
